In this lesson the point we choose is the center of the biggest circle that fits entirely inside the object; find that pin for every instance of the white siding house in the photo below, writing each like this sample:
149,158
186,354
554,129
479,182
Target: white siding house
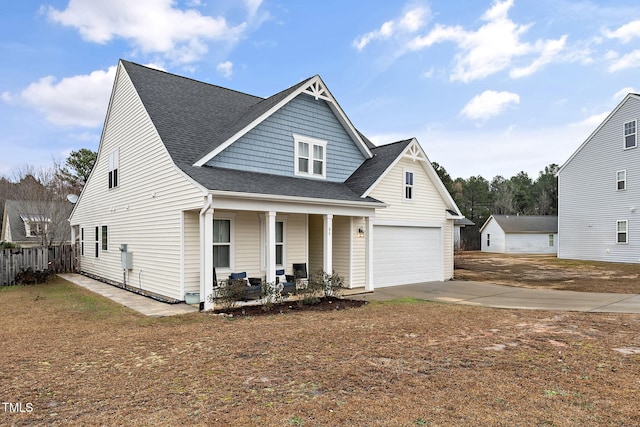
194,182
599,191
524,234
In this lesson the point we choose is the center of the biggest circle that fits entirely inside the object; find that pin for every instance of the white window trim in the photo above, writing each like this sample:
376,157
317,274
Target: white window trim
624,135
626,232
102,249
96,242
263,238
312,142
405,185
624,180
114,165
232,243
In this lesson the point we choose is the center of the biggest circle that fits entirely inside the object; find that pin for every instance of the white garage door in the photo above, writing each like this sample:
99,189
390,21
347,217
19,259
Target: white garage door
404,255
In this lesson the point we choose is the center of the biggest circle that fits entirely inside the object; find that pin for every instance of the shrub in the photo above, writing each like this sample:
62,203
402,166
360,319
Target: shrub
229,293
30,277
321,284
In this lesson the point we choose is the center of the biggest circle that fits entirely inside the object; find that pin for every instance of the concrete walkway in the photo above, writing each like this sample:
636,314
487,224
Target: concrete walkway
488,295
139,303
458,292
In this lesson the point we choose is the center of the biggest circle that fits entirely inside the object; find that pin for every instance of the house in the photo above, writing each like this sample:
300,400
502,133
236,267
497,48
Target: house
529,234
599,191
35,223
194,182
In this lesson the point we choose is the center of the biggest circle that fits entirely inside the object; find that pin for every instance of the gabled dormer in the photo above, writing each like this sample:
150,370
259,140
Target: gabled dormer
300,132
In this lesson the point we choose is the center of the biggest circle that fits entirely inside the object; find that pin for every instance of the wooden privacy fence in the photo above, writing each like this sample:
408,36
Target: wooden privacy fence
56,259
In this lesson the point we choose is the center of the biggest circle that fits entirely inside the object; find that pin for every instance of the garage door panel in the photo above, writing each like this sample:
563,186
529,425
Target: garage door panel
404,255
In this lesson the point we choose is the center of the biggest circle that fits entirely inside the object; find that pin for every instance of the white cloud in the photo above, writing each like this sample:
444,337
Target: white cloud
410,22
625,33
225,68
6,97
73,101
488,104
152,26
619,95
630,60
493,47
549,52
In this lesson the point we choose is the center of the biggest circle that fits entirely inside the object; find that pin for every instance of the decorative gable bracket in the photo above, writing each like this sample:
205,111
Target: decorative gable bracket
414,153
318,91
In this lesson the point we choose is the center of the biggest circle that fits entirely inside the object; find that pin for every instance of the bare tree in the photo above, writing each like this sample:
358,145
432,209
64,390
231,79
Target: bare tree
39,198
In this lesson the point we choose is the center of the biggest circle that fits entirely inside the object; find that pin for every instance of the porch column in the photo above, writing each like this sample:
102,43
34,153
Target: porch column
206,254
271,247
368,285
327,264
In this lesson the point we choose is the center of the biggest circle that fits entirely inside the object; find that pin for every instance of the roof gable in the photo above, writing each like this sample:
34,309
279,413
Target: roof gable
258,113
373,171
597,130
270,146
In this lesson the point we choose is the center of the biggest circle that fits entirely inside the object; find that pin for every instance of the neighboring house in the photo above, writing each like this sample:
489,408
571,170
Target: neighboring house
458,225
33,223
522,234
599,191
199,181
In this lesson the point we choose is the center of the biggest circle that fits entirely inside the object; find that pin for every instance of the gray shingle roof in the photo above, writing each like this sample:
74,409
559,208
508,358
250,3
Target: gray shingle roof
193,118
527,223
367,174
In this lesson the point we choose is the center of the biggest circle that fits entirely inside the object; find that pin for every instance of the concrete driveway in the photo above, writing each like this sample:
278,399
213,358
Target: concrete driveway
488,295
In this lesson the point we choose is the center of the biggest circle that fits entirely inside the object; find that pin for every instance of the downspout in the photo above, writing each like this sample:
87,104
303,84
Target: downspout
207,205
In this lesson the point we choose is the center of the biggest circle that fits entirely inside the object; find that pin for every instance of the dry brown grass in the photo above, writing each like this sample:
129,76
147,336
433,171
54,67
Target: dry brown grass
549,272
80,359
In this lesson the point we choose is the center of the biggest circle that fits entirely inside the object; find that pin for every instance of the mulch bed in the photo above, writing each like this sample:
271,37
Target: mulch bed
288,307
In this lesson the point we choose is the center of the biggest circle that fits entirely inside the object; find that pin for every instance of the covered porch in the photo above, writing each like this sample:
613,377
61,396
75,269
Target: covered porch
263,237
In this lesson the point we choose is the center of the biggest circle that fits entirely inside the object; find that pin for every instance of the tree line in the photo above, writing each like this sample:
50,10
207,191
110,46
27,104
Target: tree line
478,198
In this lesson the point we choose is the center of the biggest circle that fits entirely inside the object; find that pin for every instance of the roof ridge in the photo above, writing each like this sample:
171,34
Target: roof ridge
192,79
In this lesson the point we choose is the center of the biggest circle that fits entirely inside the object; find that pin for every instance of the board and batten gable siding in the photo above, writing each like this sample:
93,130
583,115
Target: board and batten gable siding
145,210
493,234
589,204
269,147
427,206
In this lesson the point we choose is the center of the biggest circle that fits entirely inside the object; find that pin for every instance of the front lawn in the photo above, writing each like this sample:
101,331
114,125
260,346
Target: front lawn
548,272
77,358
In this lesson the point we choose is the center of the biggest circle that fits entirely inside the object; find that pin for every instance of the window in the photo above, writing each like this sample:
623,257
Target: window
104,238
621,177
82,241
279,243
222,243
97,242
551,242
488,239
622,228
630,134
408,185
35,225
113,168
310,156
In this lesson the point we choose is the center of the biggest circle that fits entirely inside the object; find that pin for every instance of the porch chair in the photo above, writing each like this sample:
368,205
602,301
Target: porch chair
254,286
288,286
300,275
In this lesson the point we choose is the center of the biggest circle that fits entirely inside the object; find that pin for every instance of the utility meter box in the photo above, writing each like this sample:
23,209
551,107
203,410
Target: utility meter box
126,258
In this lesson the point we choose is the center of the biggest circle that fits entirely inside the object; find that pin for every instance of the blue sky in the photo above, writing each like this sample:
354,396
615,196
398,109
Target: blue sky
487,87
